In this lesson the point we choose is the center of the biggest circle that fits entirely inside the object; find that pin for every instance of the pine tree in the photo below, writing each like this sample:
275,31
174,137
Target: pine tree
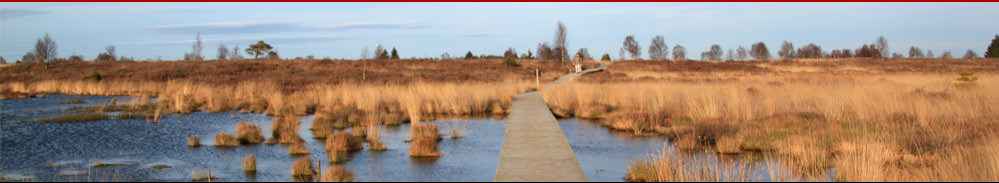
469,55
993,50
395,54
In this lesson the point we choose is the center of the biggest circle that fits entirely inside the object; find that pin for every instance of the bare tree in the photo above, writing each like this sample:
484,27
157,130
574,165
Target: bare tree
561,50
714,53
445,56
868,51
741,53
197,47
946,55
929,54
28,57
381,53
545,52
915,52
786,51
45,49
109,55
223,52
658,50
810,51
510,53
759,51
235,54
364,53
730,55
679,53
882,46
632,48
583,54
970,55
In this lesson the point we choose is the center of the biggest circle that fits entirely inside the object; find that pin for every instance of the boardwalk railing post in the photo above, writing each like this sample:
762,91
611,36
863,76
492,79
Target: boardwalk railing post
537,78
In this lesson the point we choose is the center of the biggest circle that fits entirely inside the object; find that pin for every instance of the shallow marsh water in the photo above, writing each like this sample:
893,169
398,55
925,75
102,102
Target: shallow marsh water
136,150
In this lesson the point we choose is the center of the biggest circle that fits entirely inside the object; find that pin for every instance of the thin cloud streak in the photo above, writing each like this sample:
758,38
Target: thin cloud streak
276,27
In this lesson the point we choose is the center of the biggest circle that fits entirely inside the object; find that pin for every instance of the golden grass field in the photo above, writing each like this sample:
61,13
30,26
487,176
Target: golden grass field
870,120
905,121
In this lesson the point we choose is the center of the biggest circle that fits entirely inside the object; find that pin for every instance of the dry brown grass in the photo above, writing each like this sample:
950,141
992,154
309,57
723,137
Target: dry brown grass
424,137
336,106
374,138
248,133
670,166
302,169
336,173
284,130
338,147
250,163
298,148
193,141
223,139
291,75
915,122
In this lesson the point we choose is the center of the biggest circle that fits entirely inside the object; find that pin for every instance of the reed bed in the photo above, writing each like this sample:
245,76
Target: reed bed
813,121
338,106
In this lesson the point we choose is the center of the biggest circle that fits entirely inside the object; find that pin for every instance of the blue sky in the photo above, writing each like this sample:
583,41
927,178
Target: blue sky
167,30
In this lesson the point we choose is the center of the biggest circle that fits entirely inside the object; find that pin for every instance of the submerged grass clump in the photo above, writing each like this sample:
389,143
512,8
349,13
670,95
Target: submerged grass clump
285,130
424,138
193,141
302,169
250,163
248,133
298,148
223,139
374,139
336,173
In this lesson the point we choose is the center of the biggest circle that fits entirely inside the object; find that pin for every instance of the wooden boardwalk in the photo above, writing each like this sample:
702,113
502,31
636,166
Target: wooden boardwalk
534,146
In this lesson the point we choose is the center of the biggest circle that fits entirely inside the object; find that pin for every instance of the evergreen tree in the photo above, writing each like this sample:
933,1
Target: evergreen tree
258,49
993,50
469,55
395,54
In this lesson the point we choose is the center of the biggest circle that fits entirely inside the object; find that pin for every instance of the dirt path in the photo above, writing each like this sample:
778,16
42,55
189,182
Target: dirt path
534,146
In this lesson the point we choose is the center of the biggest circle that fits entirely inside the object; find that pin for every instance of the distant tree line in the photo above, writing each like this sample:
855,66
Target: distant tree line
45,50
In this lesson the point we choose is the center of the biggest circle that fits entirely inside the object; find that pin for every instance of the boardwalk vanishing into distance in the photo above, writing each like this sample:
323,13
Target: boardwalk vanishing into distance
534,146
